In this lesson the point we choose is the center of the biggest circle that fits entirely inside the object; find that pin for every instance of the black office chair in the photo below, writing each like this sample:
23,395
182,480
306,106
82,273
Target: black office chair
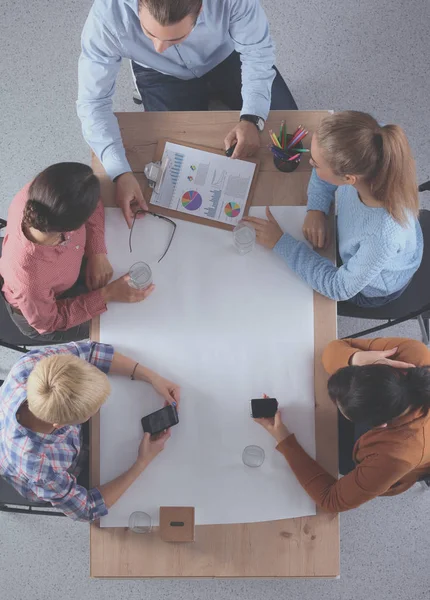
414,303
10,335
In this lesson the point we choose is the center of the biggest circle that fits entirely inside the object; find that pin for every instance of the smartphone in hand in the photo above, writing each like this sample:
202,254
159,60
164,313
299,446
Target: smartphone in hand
160,420
263,408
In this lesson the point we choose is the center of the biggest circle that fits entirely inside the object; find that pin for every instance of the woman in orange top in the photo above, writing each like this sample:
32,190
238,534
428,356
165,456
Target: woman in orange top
382,386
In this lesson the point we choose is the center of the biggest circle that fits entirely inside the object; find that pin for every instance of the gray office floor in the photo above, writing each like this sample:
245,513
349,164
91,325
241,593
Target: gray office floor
364,55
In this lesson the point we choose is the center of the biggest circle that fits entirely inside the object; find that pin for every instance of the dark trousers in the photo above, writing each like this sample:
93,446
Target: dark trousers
74,334
161,92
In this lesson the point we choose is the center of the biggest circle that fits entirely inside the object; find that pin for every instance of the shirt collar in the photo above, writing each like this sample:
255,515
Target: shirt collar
56,436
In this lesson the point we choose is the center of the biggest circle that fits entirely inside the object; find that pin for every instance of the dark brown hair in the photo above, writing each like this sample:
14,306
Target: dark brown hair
169,12
353,143
376,394
61,198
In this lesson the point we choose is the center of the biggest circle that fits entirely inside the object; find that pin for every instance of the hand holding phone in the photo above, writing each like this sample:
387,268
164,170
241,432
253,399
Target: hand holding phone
263,408
160,420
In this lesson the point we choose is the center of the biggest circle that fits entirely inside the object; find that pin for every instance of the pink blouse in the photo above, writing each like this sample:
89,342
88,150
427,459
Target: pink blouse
35,275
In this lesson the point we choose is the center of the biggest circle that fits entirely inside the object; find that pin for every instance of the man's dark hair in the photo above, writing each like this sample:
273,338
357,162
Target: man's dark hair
376,394
169,12
62,198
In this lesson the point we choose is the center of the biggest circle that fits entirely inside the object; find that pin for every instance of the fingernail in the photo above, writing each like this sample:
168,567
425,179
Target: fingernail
174,403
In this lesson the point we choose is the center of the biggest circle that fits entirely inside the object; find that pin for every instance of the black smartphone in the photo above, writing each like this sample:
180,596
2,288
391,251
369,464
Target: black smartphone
160,420
263,408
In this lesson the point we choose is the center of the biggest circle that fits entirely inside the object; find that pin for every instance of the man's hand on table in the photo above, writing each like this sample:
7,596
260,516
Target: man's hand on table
267,231
98,272
247,139
129,196
120,291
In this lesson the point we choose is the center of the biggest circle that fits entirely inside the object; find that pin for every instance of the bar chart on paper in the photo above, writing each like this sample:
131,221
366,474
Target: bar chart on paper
204,184
212,208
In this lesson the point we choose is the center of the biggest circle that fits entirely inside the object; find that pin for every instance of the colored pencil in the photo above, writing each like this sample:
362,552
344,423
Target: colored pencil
281,134
284,134
301,150
298,130
294,157
297,139
280,155
274,139
298,135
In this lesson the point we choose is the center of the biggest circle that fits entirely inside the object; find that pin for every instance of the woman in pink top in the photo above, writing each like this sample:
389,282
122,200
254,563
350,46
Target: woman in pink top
54,266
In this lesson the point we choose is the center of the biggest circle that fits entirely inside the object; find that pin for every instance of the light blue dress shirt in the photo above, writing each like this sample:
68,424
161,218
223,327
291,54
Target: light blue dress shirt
113,32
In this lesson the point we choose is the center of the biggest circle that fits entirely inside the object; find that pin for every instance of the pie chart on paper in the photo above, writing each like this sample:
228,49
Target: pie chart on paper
191,200
232,209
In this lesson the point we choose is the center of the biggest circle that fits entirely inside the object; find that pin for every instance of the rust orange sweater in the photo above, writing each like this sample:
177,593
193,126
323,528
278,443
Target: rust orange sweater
388,460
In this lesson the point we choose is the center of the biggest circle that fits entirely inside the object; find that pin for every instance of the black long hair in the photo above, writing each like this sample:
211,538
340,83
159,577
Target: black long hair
62,198
376,394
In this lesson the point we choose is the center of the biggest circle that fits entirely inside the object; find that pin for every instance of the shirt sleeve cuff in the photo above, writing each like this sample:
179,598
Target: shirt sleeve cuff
285,245
257,106
99,507
95,303
101,356
288,445
114,164
319,204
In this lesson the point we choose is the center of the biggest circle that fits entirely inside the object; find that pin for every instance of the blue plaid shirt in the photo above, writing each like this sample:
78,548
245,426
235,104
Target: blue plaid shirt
44,467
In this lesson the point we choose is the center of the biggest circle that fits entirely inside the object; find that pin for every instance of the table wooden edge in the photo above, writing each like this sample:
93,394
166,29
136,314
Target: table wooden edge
313,541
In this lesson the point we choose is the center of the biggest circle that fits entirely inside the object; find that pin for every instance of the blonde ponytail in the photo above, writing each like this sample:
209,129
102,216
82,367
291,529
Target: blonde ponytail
353,143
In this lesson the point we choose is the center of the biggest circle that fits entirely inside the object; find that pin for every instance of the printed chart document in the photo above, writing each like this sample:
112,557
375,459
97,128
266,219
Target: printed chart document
204,184
226,328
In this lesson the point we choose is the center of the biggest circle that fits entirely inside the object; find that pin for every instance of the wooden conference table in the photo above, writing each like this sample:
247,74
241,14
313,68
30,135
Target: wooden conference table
302,547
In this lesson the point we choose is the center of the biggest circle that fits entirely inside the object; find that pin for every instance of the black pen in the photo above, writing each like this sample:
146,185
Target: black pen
230,151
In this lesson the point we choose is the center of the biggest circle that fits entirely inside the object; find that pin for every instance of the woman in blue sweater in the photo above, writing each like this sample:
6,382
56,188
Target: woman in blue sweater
380,241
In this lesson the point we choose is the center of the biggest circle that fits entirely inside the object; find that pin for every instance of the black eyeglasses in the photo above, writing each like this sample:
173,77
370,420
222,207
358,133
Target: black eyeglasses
148,212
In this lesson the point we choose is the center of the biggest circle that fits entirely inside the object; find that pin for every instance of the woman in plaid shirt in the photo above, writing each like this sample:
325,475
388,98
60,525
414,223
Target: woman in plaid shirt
45,399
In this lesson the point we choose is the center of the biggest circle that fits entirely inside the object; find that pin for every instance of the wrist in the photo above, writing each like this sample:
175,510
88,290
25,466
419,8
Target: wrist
282,434
257,121
143,374
281,438
105,293
115,180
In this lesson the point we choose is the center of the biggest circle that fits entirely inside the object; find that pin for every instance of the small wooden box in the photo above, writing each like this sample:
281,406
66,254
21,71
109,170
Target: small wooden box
177,523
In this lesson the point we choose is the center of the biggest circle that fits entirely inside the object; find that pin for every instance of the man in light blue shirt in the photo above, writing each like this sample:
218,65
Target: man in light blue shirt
182,52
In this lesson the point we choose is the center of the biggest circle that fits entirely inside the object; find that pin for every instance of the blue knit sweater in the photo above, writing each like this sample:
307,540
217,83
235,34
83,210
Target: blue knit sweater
379,256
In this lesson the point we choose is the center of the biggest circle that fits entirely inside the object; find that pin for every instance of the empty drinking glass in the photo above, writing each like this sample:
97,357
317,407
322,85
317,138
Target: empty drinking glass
140,276
253,456
140,522
244,238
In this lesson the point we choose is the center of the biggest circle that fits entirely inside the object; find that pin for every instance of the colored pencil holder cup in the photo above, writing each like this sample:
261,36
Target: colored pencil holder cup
288,166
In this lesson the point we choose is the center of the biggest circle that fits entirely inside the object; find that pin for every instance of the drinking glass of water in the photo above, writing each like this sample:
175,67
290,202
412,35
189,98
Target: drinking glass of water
244,238
140,276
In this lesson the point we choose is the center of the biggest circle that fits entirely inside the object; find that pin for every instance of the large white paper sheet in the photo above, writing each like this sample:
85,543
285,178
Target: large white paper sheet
204,184
227,328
